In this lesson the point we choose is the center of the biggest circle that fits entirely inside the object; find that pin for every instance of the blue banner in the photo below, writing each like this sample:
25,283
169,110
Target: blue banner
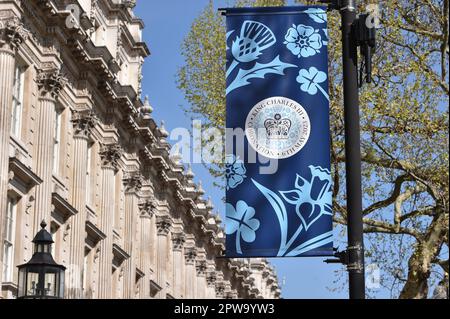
279,188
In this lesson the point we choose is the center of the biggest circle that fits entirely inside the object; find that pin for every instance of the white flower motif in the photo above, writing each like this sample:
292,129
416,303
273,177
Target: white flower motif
235,171
303,41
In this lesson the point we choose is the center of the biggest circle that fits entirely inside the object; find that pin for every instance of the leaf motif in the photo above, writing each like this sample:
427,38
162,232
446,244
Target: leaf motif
259,71
292,197
229,33
311,244
280,210
318,15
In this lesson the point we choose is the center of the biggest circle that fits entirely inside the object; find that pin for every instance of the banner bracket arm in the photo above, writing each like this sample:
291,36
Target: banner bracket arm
343,258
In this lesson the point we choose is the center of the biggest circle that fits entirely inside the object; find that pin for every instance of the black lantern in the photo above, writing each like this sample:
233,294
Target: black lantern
41,277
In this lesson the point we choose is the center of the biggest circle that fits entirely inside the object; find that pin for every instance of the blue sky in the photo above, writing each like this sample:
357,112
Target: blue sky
167,23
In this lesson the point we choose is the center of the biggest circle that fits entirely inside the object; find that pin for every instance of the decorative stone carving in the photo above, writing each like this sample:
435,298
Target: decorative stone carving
190,254
200,266
146,110
110,155
132,182
147,207
83,123
12,33
129,4
220,290
96,255
178,240
50,82
140,78
163,225
211,278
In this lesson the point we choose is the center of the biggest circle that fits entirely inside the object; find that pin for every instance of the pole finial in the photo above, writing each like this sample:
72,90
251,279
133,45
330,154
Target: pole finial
43,224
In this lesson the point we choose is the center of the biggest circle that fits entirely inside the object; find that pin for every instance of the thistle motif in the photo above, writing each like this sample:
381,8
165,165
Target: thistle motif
248,47
255,37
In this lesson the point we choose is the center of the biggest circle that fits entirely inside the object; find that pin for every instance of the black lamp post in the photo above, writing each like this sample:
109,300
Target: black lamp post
41,277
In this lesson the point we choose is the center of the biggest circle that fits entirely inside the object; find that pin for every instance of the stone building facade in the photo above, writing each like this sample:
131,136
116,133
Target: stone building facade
80,150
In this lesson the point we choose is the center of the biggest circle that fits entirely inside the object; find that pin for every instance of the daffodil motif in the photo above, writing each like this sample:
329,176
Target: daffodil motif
240,221
312,199
303,41
234,171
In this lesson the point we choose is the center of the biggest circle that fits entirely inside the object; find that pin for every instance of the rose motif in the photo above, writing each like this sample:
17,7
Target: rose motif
234,171
303,41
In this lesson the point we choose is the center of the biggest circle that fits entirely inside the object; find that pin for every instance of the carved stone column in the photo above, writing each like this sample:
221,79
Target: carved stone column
83,123
110,155
147,209
200,266
133,184
190,280
50,83
178,240
12,34
163,225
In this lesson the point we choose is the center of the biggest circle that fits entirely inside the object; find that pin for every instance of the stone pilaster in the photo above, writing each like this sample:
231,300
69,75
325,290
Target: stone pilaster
211,283
190,280
147,210
178,240
163,225
200,267
83,123
133,184
110,155
50,83
12,34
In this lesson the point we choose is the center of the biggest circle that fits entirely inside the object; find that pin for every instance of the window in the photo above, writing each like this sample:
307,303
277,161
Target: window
8,245
17,106
53,231
88,174
57,143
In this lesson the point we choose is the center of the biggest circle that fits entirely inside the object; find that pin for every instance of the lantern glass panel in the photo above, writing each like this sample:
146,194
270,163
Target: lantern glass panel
50,288
61,282
32,283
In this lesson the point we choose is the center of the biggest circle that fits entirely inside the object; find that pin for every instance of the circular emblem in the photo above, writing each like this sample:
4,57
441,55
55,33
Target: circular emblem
278,127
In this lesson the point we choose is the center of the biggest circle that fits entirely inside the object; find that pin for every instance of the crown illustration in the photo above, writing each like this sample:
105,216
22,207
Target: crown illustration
278,128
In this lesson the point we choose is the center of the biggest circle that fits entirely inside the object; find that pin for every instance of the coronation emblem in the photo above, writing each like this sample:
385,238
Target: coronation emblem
278,127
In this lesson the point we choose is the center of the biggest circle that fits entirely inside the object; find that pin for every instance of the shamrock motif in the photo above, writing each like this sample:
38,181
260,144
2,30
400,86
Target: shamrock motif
241,222
310,81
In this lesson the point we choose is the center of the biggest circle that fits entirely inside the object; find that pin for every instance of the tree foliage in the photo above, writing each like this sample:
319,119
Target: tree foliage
404,133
